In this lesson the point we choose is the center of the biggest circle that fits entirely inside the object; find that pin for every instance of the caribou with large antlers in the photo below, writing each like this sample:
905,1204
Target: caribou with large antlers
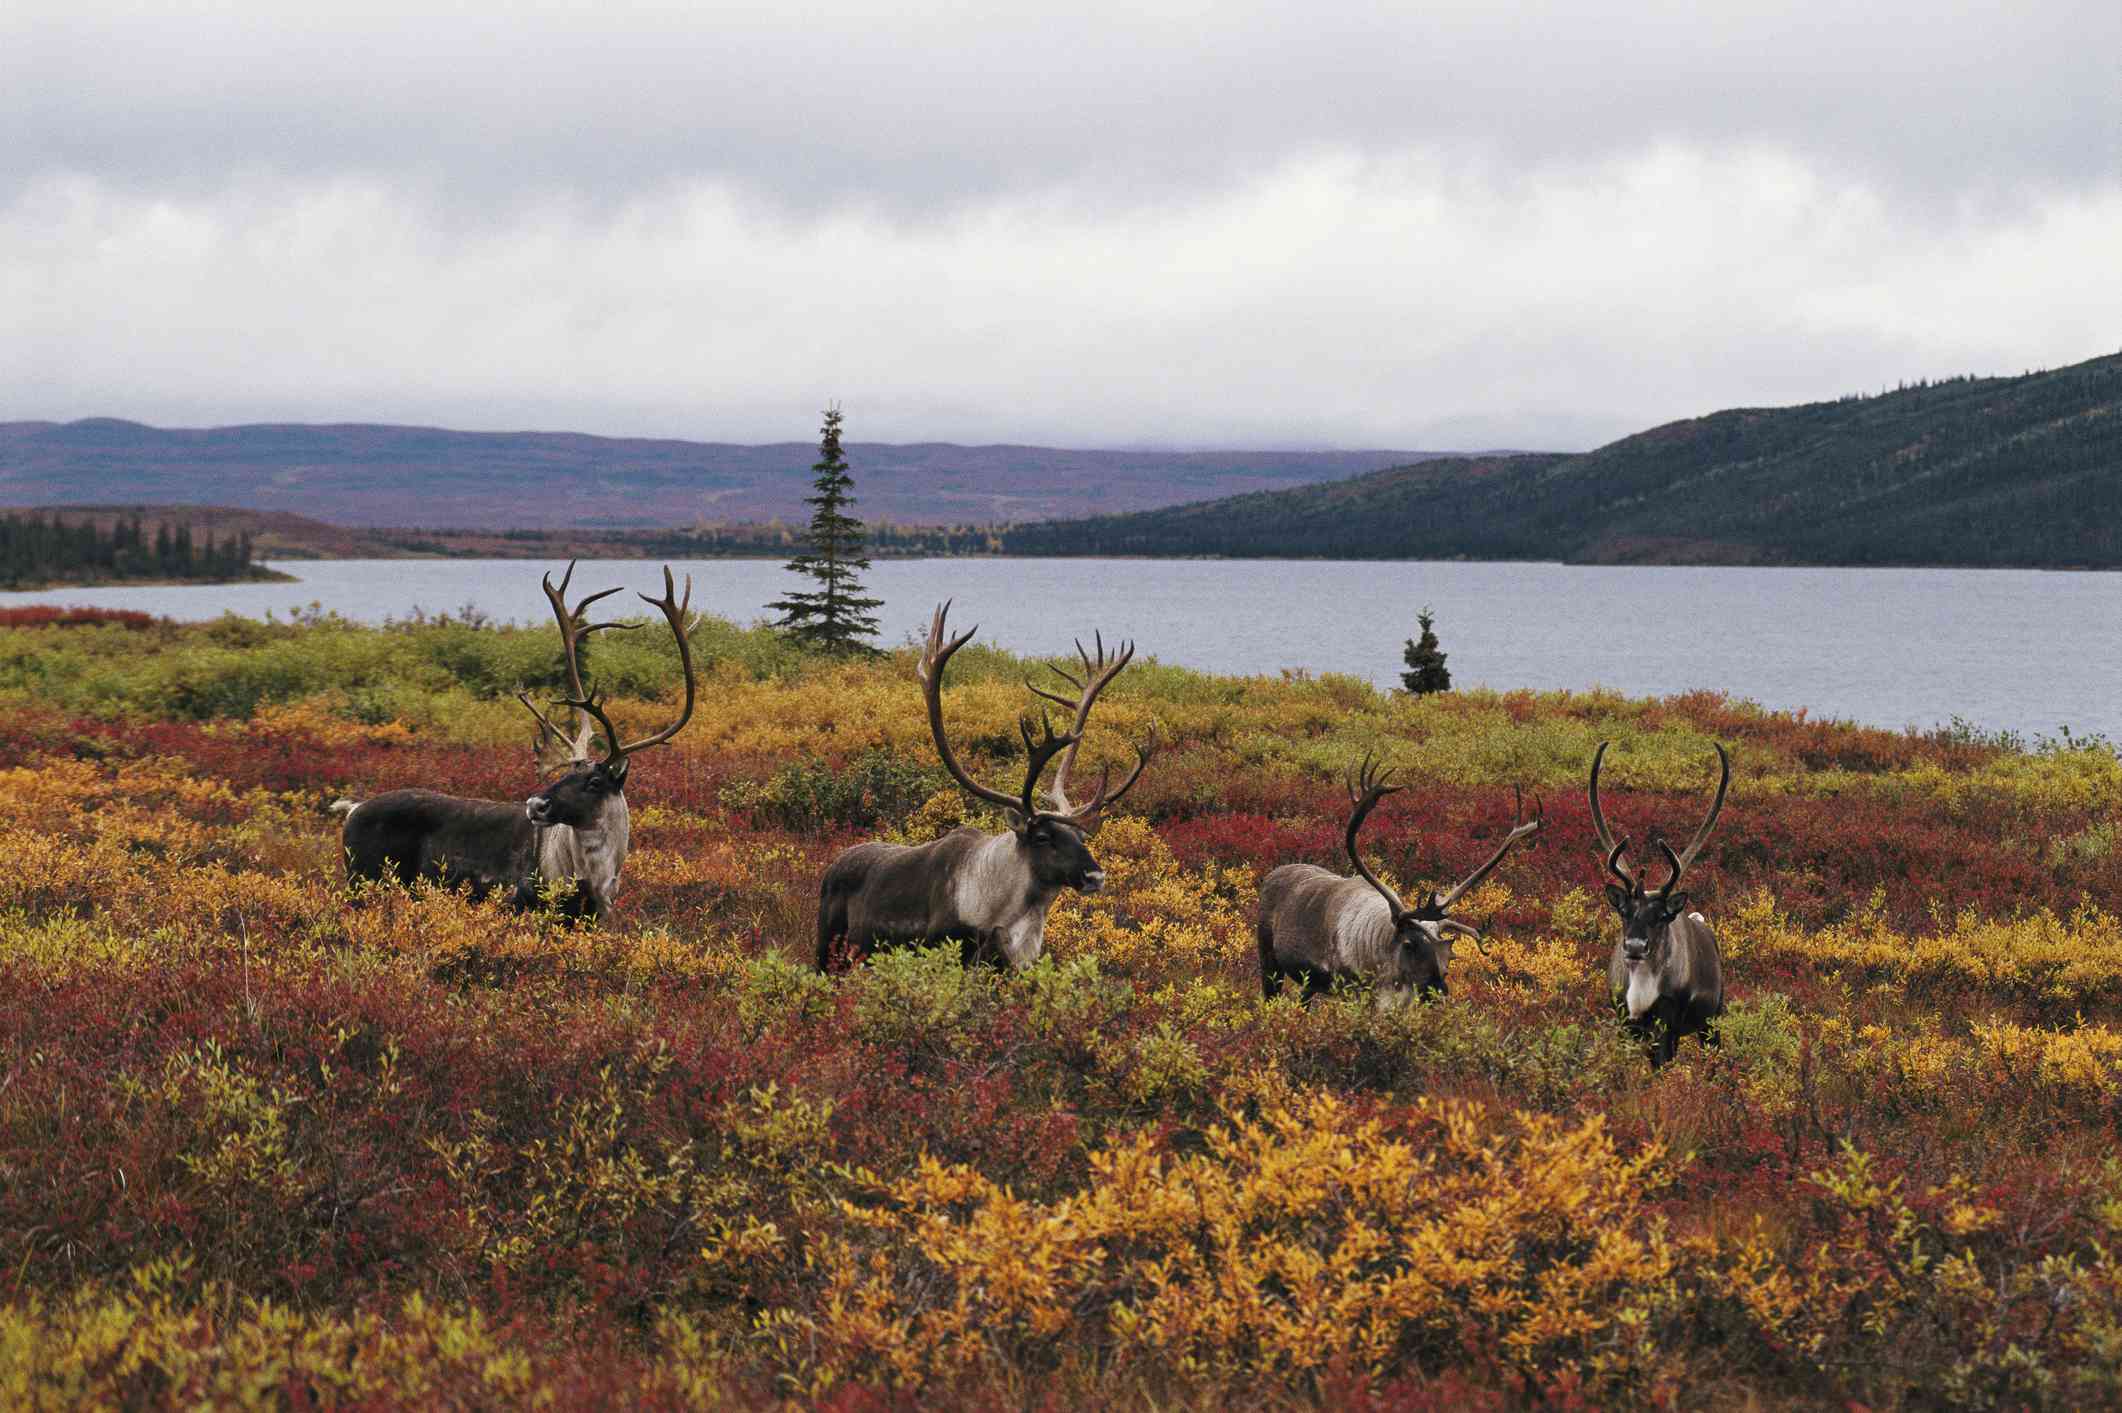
989,893
1666,969
572,832
1317,927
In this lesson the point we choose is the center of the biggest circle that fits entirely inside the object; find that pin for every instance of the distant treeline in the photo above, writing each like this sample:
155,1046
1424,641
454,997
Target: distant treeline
886,541
768,539
39,549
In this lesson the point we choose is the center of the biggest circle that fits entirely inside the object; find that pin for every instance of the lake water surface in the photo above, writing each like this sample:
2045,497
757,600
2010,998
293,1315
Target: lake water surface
2022,650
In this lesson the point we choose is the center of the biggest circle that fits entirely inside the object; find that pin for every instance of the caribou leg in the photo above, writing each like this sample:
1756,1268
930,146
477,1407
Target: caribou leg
832,925
1270,973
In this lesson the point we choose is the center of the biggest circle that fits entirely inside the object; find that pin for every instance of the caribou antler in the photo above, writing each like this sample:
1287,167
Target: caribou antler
1613,864
1521,828
589,709
1607,844
1364,792
1679,861
574,629
555,747
1037,756
934,657
1098,671
1452,924
1686,856
678,613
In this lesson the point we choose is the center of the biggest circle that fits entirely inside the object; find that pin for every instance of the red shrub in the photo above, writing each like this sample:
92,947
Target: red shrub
51,616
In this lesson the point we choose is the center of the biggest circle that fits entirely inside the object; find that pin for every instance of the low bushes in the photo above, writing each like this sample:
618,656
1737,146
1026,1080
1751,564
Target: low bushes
261,1144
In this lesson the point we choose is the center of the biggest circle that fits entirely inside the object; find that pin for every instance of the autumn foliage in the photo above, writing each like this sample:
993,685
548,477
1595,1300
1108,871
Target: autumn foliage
263,1143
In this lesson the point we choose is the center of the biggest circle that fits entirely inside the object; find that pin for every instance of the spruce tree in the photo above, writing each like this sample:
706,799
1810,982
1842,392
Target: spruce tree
1425,661
835,616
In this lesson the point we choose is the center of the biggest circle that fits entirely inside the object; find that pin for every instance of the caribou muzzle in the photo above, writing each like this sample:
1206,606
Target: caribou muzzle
538,809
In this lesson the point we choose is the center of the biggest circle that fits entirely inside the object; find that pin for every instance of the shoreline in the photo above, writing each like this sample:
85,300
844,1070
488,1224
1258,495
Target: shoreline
50,586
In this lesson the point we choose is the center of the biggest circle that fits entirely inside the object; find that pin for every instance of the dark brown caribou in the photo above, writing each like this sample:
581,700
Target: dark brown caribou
1317,927
1666,972
570,837
989,893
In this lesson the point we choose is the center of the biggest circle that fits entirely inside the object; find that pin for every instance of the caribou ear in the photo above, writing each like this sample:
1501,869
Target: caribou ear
1619,897
617,771
1676,904
1017,820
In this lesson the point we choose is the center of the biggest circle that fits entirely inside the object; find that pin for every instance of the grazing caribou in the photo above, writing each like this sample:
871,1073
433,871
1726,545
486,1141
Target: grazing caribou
1318,927
1665,971
989,893
574,831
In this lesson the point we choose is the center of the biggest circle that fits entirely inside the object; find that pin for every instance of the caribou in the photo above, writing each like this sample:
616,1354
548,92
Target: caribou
989,893
570,838
1665,971
1318,927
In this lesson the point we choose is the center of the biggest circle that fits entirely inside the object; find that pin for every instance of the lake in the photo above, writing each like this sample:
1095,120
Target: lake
2022,650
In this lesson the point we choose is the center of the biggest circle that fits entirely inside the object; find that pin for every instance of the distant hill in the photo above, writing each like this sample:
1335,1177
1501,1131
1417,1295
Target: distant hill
360,475
1970,471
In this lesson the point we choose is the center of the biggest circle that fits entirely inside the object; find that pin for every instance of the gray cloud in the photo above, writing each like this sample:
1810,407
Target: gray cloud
832,103
1480,225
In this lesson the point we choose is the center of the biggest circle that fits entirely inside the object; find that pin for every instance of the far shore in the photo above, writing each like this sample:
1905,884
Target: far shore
261,575
279,536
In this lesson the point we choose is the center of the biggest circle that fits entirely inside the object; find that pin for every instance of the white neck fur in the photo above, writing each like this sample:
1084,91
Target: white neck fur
592,854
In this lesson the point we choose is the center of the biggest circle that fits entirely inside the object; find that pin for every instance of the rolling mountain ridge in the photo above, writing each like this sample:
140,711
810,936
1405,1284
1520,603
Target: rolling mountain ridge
1970,471
365,475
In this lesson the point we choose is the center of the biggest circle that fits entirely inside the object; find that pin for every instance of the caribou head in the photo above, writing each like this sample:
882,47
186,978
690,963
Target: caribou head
1053,844
586,791
1423,936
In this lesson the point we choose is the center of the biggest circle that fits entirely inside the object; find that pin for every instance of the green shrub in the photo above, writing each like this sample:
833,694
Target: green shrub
1760,1036
1161,1067
873,789
772,990
921,1001
2089,845
1070,1000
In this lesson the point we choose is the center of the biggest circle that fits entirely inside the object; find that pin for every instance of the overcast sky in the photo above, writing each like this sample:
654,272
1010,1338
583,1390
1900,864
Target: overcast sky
1382,225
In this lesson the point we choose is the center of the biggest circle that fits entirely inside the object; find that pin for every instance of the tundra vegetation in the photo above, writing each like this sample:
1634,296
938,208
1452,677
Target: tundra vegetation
258,1146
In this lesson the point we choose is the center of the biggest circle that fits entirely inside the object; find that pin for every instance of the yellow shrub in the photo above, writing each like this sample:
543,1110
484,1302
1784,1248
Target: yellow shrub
1297,1239
1153,916
2087,1058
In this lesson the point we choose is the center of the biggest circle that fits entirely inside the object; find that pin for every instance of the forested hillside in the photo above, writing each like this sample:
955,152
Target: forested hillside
1976,471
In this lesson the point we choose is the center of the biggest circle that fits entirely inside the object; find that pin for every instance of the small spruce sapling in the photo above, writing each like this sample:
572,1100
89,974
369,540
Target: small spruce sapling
1425,660
836,617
